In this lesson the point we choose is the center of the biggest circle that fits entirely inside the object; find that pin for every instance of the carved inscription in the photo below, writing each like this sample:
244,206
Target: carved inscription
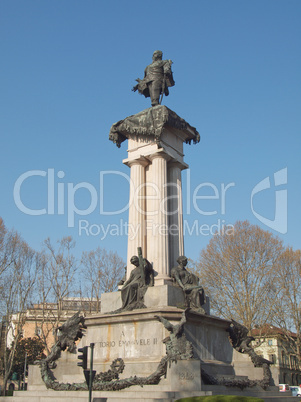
127,341
133,342
186,376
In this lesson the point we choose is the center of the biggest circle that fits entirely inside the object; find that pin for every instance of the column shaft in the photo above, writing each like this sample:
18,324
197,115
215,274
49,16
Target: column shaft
175,218
136,229
159,249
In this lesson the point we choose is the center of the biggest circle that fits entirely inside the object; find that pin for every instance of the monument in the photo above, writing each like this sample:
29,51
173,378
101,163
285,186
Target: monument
156,332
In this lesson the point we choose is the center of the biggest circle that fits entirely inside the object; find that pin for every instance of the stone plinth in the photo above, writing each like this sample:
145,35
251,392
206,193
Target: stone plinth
137,338
241,364
156,296
185,375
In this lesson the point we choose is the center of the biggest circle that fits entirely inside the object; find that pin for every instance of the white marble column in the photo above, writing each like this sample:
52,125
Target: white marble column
137,211
175,208
158,251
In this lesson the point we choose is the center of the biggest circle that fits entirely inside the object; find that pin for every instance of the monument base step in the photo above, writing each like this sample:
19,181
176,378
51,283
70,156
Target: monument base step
100,396
230,377
272,395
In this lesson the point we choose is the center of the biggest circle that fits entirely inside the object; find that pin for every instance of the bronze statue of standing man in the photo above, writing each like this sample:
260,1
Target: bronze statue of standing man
157,78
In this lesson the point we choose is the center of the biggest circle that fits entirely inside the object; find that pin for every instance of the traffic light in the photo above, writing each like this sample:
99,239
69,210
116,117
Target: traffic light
83,357
87,376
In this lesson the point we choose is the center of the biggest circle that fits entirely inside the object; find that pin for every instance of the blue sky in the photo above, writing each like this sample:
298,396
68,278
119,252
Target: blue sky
66,76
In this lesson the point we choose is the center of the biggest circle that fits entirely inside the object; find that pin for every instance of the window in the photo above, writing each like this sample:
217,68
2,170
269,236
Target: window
294,362
38,331
272,358
282,358
270,342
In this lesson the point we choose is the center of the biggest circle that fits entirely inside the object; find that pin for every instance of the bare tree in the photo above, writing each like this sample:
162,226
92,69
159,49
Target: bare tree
61,267
16,289
9,243
102,271
288,303
56,281
238,270
44,313
3,232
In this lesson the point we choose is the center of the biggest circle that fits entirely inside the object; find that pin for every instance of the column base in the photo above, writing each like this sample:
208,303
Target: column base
163,280
155,296
160,295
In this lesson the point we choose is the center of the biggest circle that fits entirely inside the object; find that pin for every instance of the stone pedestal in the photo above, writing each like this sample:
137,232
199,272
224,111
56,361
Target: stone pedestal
137,337
156,159
156,296
185,375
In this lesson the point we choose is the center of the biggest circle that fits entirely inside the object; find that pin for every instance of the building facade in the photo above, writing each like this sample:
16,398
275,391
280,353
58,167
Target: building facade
41,320
273,344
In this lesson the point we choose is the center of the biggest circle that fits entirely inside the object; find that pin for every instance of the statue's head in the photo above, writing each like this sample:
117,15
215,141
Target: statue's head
157,55
135,260
182,260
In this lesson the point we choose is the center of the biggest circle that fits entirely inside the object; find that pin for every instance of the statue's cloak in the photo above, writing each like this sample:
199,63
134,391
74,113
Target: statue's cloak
151,123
